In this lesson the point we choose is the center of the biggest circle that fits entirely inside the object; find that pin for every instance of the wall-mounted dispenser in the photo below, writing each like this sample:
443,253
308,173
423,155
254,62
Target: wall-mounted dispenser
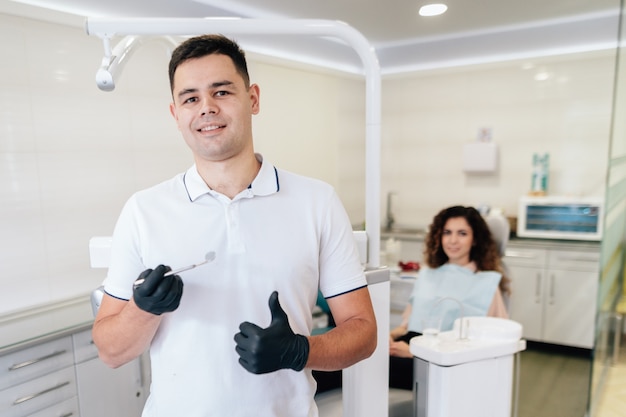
480,157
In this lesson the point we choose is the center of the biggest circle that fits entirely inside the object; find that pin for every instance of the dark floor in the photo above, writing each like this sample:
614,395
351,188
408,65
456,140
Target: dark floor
554,381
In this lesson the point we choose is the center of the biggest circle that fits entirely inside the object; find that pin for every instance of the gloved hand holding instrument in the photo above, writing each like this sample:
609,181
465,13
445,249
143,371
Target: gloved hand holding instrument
156,292
276,347
159,291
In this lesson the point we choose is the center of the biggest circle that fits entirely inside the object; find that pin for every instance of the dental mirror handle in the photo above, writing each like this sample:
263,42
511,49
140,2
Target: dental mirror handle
187,268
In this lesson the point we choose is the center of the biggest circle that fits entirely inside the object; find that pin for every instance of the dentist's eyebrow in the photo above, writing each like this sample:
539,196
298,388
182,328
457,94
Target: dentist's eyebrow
218,84
214,85
187,91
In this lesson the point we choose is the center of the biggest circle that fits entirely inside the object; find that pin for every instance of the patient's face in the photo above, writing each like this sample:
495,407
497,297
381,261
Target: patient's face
456,240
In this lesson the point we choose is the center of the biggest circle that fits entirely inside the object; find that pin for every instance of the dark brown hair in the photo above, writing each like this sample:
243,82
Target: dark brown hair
203,45
484,252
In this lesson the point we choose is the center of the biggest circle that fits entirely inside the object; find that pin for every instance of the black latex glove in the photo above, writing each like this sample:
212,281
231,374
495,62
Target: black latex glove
273,348
157,294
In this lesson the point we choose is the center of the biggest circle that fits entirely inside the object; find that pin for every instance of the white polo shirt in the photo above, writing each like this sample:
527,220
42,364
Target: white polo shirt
284,232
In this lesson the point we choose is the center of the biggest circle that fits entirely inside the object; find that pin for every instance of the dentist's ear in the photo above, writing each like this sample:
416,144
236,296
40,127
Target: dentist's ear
173,111
174,114
255,98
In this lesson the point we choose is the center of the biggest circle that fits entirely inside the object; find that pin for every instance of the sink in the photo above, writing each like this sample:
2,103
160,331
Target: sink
487,338
402,231
411,230
489,328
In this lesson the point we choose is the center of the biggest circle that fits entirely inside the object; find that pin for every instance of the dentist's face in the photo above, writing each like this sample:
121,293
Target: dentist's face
213,108
456,240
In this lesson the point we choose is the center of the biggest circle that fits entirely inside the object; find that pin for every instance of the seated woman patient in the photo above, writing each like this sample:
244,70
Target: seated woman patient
463,274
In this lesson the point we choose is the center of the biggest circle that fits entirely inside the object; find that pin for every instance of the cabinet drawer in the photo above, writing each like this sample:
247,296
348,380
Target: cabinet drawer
525,257
84,348
401,289
28,397
574,260
67,408
35,361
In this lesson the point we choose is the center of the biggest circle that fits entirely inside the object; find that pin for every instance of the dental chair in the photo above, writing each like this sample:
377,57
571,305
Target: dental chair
500,231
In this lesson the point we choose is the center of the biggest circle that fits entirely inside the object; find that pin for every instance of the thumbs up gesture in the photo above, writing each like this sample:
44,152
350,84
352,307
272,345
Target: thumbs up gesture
273,348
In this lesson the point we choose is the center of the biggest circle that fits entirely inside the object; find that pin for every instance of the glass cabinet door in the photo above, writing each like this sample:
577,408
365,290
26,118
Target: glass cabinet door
612,259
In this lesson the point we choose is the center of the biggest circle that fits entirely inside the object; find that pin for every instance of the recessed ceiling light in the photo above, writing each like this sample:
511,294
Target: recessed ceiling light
433,9
542,76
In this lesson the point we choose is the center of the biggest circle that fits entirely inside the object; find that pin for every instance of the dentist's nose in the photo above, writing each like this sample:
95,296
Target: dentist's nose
208,107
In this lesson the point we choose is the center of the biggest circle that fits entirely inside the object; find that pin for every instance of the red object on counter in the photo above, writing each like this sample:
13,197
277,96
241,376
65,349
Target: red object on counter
409,266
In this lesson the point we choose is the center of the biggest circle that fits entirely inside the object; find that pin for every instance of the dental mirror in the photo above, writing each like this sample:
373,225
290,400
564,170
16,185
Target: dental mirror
209,257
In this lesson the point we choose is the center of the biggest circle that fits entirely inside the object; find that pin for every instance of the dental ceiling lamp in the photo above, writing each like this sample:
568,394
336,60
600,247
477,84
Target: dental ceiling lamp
114,60
365,388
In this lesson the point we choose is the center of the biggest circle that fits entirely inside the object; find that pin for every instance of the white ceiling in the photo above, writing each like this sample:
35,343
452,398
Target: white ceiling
471,31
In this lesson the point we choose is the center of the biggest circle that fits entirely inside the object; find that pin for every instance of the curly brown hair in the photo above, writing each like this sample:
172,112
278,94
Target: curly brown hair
484,251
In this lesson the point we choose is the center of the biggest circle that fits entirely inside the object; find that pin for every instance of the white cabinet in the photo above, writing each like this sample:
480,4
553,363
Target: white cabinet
64,377
38,378
554,293
401,287
105,392
67,408
525,267
410,248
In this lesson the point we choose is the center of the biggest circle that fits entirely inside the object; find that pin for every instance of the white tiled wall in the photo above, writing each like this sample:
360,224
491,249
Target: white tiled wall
429,116
70,155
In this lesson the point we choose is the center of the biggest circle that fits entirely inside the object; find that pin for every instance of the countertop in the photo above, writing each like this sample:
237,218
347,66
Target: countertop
553,243
418,236
402,235
21,329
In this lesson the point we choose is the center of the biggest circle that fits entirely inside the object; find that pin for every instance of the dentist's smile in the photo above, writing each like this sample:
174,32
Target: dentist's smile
210,128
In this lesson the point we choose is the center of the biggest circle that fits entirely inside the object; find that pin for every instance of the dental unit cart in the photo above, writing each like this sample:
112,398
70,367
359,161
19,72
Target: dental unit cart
467,371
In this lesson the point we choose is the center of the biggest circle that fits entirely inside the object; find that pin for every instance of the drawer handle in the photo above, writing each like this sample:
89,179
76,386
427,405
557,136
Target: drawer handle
578,258
34,361
515,254
67,414
32,396
538,289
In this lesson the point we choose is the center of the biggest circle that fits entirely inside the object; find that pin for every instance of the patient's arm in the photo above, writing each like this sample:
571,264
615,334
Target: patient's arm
403,328
497,307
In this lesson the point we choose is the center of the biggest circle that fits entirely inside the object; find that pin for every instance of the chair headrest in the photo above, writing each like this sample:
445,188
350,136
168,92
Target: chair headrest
500,230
